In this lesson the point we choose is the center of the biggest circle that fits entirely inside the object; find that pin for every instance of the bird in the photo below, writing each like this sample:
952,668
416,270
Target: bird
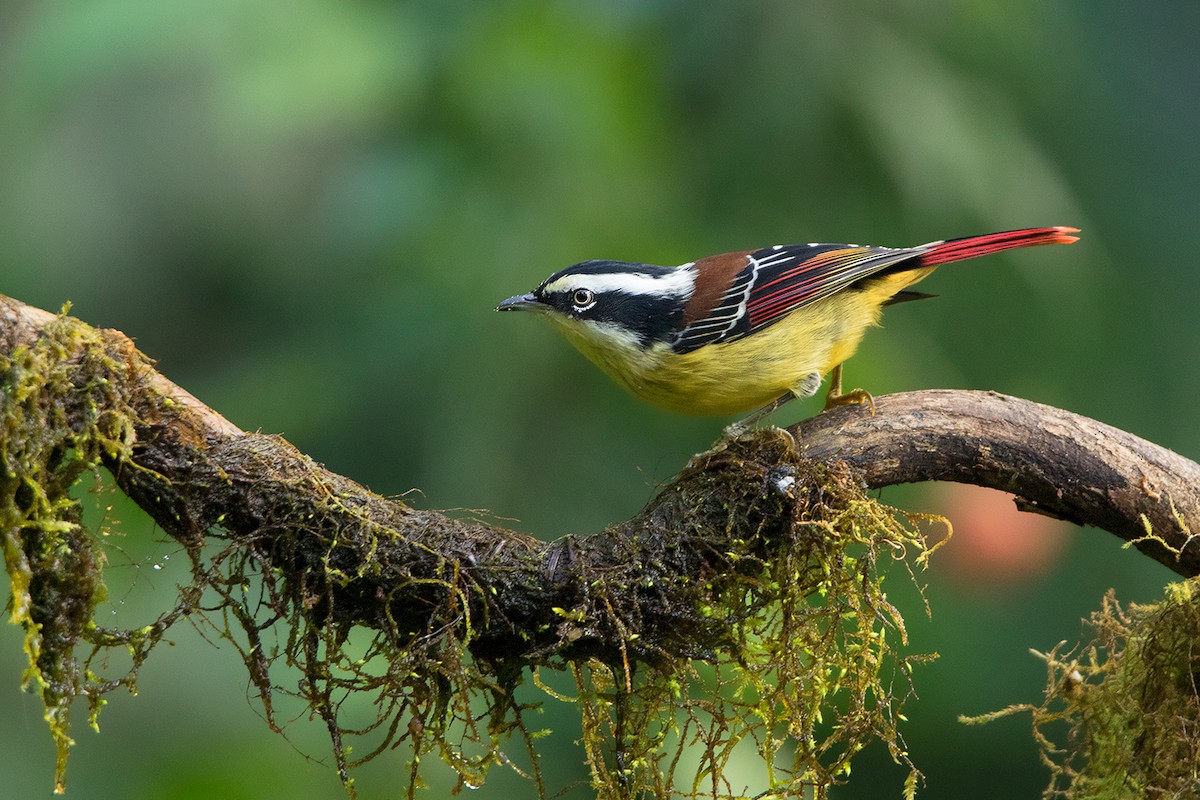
748,330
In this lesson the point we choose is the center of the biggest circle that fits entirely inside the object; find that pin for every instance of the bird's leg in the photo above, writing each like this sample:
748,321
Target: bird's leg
807,387
835,397
739,429
835,384
744,426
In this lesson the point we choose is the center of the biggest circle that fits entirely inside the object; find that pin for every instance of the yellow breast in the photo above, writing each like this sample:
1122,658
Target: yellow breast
748,373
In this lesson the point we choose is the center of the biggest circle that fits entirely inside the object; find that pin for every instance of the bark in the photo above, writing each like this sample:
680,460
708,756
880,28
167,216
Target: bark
196,469
1055,462
753,518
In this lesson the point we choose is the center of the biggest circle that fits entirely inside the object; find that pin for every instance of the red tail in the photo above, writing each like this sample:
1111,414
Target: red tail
971,246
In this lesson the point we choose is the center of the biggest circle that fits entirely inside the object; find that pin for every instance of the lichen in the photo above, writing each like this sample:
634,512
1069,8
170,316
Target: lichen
1130,700
744,609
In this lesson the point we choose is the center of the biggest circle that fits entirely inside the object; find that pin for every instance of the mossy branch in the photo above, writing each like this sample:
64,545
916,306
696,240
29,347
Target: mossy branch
760,561
1055,462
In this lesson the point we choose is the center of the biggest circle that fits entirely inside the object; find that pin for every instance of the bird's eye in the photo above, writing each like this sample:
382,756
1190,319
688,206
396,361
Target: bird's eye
582,298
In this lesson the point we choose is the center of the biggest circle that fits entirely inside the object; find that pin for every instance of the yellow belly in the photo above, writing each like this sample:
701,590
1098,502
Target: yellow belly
748,373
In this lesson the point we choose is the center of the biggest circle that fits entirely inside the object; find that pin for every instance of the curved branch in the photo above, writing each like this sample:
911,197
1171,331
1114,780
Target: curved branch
1055,462
195,468
326,555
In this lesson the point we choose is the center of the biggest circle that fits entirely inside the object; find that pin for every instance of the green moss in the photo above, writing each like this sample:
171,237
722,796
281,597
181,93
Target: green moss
1130,701
807,666
60,416
743,609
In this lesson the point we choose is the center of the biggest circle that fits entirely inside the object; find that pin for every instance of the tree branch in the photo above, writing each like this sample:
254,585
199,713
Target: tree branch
752,527
197,468
1055,462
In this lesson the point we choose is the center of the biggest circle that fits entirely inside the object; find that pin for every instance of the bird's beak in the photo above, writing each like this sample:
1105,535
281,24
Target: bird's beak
520,302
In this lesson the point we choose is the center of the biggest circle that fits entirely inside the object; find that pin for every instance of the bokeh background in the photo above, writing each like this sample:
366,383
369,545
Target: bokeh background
307,210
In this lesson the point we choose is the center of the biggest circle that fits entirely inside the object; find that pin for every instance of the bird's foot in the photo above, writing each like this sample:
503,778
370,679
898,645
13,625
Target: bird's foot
738,432
851,397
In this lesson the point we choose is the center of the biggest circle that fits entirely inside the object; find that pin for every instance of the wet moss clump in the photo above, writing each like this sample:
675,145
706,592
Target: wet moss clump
60,417
1129,701
744,610
806,663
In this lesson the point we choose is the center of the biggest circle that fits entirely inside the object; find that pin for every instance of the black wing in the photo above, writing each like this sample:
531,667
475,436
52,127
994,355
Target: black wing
777,280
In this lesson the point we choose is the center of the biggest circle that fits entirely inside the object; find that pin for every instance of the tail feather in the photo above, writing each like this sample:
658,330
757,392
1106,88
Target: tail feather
972,246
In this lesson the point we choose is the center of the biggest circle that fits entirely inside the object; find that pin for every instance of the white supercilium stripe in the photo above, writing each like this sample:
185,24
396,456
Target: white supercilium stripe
678,283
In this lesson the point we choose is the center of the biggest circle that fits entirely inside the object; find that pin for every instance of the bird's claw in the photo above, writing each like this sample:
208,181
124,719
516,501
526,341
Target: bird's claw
738,432
849,398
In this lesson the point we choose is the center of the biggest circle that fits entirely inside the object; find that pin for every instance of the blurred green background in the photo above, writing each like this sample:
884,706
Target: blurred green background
307,210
